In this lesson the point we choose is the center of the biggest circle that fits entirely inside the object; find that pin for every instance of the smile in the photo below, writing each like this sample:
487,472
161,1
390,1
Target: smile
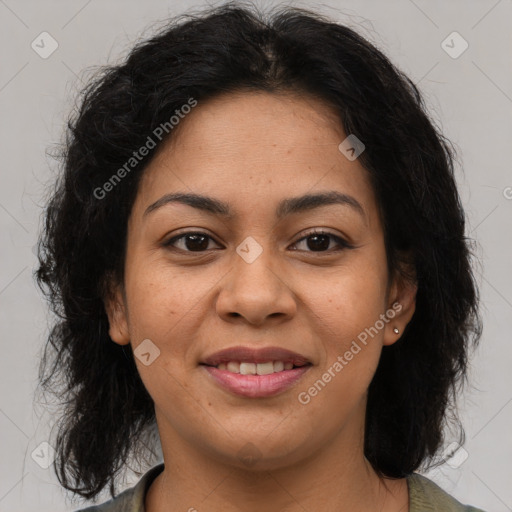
247,383
255,368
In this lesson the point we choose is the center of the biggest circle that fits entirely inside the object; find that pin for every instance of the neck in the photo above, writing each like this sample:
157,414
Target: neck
336,477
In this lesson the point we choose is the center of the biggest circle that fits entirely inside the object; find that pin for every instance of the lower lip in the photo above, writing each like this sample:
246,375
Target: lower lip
257,386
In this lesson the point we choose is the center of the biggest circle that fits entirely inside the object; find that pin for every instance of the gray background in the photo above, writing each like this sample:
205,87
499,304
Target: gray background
469,96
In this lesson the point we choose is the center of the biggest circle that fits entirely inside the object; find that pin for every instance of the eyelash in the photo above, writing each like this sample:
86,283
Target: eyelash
341,242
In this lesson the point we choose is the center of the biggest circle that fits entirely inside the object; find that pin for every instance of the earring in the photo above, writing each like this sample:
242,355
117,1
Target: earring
396,330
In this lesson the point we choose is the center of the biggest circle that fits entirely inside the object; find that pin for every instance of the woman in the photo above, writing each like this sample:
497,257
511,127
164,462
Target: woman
257,245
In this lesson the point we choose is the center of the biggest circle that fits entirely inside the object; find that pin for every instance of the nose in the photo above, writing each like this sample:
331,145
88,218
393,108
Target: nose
256,290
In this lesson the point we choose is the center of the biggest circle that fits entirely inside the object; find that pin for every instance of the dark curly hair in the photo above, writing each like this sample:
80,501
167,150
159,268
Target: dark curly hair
106,408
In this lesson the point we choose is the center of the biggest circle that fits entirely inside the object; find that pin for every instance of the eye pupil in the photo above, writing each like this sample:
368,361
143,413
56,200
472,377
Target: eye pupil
319,245
196,244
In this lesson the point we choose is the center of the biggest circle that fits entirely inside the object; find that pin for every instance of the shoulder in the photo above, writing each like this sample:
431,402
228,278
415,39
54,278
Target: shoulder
425,495
130,500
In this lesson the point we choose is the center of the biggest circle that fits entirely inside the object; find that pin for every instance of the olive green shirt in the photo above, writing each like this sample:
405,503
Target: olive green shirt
424,496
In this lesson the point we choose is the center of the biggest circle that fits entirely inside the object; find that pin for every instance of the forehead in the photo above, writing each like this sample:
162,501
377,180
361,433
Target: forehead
236,123
255,148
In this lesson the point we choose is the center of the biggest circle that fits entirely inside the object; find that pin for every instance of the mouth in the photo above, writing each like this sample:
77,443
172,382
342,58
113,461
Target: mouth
256,373
251,368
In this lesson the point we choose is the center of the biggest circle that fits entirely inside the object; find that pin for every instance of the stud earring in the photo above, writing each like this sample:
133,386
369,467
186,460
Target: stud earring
396,330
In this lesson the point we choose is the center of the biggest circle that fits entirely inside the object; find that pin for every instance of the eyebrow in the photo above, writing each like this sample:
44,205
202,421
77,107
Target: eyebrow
286,207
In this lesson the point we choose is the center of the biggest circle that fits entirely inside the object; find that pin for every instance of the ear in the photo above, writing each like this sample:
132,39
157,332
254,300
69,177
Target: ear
401,305
115,306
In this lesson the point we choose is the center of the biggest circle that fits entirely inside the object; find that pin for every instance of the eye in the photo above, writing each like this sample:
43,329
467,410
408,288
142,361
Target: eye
197,241
193,241
320,241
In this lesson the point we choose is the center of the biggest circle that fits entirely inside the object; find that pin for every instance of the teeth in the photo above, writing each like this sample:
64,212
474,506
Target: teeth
247,369
266,368
233,367
279,366
255,368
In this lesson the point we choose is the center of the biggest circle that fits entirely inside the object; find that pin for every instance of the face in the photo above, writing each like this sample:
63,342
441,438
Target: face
257,276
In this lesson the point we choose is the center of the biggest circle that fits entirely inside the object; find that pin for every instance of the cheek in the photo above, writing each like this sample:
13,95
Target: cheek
160,297
346,301
347,313
168,307
352,345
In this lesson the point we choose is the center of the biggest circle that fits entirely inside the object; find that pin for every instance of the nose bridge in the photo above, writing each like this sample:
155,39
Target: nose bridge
254,267
255,290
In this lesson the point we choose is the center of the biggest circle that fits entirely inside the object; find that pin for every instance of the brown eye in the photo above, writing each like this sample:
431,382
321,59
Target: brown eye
320,241
190,242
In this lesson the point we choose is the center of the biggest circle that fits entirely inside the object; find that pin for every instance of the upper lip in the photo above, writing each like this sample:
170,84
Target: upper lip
253,355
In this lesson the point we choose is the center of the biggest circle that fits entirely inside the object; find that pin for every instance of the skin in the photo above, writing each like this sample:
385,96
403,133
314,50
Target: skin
252,150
